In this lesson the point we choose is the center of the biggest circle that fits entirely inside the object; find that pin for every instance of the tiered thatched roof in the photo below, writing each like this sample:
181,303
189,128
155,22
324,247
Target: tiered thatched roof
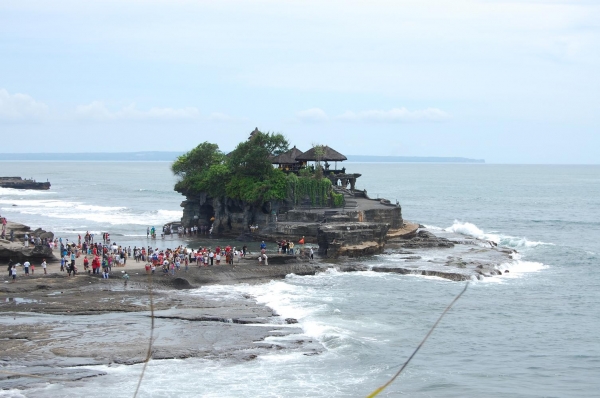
329,154
288,157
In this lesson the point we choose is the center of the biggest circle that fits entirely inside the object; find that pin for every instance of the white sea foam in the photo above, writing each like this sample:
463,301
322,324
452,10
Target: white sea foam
469,229
301,301
113,215
23,192
518,268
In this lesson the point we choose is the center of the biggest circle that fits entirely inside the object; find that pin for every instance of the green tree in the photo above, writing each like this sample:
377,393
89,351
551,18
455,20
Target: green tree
253,178
201,170
252,158
197,160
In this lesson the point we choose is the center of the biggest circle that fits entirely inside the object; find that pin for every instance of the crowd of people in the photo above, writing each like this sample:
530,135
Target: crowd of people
102,257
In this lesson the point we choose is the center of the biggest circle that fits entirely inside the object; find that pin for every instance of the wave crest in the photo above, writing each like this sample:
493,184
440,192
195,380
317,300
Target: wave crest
469,229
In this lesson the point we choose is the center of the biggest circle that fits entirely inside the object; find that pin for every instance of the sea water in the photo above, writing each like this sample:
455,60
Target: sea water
530,333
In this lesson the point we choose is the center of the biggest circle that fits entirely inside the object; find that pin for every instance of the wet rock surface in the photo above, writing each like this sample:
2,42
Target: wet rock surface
51,329
446,255
422,239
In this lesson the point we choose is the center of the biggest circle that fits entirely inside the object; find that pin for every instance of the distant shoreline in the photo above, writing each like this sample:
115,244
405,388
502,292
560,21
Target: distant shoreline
171,156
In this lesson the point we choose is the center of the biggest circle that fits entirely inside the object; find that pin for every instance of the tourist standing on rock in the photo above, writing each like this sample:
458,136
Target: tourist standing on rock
263,245
26,265
10,266
125,278
44,266
13,272
26,240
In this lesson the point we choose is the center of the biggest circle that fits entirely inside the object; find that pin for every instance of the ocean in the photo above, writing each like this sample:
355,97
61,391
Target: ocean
530,333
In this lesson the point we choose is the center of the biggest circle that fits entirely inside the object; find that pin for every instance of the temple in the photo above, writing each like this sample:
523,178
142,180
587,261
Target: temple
342,219
295,160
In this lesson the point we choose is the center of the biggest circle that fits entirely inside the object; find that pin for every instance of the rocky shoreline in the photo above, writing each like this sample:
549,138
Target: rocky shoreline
54,325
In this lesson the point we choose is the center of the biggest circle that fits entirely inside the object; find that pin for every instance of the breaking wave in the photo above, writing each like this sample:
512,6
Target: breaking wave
469,229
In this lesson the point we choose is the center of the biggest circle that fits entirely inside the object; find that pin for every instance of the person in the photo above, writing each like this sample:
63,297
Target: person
311,253
291,248
125,278
211,256
13,272
148,232
44,266
10,265
26,265
86,263
26,240
263,245
301,241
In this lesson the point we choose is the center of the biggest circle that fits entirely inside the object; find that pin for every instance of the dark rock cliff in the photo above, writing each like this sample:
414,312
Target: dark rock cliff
352,231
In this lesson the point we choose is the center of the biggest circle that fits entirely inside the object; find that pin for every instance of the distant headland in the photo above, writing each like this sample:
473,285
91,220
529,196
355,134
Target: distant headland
170,156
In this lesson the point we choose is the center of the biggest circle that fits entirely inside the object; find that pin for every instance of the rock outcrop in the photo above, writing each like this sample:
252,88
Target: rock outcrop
17,251
357,229
19,183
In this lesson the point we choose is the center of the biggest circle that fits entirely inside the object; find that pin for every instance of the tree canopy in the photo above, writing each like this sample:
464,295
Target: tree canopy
246,173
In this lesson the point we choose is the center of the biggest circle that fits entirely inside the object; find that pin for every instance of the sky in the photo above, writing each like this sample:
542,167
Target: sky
505,81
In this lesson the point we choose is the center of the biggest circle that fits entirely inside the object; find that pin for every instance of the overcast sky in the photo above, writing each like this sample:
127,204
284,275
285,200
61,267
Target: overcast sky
507,81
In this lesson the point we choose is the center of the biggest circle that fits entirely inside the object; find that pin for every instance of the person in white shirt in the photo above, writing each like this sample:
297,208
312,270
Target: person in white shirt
44,266
26,265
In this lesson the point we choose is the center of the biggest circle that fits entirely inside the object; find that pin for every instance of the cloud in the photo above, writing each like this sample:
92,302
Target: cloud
20,107
395,115
97,111
312,115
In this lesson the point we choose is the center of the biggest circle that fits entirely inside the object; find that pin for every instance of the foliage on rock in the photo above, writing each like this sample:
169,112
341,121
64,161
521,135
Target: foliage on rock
337,199
246,173
318,190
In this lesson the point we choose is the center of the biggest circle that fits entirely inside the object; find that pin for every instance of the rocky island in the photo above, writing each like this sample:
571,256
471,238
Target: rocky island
20,183
269,192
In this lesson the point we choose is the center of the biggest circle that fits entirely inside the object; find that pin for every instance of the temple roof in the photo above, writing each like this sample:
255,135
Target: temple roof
328,154
288,157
